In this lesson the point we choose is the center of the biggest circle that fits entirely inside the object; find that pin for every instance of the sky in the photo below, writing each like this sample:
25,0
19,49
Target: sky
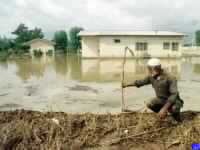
54,15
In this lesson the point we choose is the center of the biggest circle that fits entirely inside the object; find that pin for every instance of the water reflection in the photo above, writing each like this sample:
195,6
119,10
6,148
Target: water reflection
197,68
111,70
97,70
35,67
3,65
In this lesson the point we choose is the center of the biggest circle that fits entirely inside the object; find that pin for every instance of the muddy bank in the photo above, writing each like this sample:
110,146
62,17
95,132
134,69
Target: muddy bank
35,130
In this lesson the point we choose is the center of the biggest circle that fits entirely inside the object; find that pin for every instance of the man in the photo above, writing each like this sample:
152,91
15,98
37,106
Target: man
167,96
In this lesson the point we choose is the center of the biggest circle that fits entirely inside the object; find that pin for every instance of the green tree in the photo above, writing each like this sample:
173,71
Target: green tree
5,44
197,37
36,33
61,40
23,34
75,43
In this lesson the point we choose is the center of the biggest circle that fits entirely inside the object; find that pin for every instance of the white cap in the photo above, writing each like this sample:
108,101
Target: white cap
154,62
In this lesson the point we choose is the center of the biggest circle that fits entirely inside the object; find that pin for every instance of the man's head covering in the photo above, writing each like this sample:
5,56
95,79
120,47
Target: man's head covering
154,62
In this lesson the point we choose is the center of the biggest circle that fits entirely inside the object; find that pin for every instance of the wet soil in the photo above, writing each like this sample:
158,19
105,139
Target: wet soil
23,129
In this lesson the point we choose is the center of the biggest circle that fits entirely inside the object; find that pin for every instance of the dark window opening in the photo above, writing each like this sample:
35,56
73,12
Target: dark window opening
141,46
117,41
166,45
175,46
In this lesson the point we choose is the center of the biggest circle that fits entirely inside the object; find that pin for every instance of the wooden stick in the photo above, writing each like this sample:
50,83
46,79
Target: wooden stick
123,65
136,135
123,76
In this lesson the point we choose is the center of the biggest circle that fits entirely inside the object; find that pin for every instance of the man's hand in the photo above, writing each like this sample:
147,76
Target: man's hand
162,113
124,85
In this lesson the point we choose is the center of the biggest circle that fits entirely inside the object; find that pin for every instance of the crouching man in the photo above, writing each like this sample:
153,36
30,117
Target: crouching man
167,96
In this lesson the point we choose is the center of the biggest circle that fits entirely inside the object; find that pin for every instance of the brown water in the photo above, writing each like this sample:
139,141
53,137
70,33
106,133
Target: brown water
72,84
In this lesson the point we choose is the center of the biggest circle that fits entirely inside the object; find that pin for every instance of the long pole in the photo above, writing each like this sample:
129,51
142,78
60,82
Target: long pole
123,76
123,66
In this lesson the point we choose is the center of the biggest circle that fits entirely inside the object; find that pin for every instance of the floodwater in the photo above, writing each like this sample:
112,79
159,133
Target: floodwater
72,84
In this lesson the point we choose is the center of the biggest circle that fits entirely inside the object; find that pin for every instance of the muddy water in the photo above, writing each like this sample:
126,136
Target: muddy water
72,84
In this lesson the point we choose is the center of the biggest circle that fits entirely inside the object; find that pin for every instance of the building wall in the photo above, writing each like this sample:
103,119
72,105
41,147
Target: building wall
155,46
44,47
108,48
90,46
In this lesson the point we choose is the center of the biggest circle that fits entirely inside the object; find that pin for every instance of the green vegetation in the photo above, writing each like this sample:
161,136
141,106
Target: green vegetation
71,44
61,40
5,47
75,44
197,36
5,44
16,46
22,34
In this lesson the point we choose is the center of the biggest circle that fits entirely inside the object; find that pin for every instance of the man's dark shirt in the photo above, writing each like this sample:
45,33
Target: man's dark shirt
165,86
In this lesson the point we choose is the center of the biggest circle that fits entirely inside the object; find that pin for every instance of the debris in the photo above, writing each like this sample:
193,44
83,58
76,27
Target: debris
176,142
22,129
56,121
126,131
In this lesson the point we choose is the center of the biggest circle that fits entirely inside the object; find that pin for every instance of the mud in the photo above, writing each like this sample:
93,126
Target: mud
61,131
83,88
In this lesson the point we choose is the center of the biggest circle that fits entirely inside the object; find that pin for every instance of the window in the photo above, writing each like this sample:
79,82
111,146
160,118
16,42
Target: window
166,45
141,46
117,41
175,46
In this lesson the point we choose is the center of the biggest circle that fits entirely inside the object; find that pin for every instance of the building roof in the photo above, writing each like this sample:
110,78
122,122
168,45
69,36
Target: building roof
129,33
39,40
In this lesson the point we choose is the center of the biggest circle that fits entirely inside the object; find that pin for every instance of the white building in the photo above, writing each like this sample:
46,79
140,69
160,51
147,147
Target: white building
41,44
143,43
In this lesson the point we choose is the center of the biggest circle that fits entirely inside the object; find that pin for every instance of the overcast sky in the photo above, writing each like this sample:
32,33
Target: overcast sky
52,15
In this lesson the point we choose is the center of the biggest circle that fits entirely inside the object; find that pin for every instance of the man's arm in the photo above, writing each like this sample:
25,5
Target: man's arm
138,83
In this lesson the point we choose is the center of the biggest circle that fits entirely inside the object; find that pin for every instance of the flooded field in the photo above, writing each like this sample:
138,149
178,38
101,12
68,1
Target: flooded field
72,84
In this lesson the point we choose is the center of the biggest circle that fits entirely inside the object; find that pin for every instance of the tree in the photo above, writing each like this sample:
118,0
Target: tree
61,40
36,33
22,28
23,34
75,43
197,37
5,44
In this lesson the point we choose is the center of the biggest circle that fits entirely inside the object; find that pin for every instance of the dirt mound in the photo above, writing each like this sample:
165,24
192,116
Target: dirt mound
54,131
